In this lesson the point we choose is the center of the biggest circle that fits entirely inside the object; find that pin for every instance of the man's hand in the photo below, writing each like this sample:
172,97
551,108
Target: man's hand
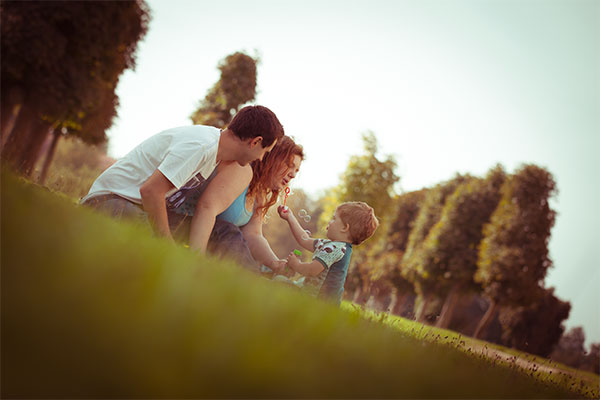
153,193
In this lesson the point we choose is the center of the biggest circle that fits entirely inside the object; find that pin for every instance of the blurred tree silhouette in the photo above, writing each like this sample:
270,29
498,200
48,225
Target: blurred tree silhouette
449,253
426,286
72,51
570,348
387,273
537,327
513,256
235,87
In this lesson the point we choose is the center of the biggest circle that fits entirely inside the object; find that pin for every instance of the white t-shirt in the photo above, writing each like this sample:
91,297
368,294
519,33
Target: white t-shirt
178,153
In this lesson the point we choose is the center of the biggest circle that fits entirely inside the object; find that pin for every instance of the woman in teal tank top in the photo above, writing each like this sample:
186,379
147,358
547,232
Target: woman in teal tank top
249,192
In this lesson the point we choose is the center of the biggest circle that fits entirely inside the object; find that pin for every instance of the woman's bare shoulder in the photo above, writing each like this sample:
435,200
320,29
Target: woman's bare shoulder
233,169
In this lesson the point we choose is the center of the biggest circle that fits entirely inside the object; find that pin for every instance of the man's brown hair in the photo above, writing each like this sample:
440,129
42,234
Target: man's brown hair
361,218
253,121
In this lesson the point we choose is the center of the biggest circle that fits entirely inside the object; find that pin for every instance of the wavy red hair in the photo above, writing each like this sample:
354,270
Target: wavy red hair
265,172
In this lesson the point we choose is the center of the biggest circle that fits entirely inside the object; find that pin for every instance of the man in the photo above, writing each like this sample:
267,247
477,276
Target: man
137,185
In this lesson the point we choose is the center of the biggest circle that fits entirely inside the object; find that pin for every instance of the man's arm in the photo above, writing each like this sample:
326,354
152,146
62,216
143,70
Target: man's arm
153,193
226,186
259,246
297,230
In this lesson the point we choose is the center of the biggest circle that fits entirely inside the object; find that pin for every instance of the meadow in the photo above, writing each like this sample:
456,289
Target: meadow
92,307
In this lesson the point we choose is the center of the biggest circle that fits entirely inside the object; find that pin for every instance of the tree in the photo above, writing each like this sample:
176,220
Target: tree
513,256
388,270
591,361
535,328
570,348
413,258
236,87
68,51
449,253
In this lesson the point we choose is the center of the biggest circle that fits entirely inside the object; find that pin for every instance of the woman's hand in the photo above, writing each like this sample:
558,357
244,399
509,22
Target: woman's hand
278,266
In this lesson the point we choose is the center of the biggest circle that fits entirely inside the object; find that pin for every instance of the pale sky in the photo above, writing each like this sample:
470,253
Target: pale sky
446,86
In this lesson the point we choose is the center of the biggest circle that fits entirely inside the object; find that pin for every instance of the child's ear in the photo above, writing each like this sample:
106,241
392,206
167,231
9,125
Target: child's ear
346,228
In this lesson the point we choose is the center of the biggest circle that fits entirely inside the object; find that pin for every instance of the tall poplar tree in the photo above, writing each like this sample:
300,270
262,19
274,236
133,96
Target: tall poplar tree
61,62
449,253
513,256
412,260
235,87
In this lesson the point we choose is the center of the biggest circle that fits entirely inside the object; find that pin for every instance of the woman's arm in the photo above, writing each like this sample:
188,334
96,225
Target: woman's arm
258,244
226,186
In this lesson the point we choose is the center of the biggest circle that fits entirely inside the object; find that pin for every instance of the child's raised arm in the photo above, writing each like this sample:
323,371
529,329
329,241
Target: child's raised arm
299,234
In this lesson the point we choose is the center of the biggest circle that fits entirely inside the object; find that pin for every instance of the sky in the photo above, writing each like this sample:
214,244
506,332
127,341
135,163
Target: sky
446,86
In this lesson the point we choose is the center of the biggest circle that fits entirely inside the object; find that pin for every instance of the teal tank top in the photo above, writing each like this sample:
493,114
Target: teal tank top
236,213
185,199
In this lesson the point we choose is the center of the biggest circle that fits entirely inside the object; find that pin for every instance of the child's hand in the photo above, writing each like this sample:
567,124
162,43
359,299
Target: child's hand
284,212
293,261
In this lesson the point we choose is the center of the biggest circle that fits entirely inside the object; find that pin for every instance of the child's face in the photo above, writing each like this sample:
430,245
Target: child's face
337,228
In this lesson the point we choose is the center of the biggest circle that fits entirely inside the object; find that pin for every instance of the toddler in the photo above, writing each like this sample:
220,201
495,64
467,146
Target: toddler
352,223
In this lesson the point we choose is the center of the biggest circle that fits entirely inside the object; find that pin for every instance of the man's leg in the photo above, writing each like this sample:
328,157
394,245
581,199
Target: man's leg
119,208
227,240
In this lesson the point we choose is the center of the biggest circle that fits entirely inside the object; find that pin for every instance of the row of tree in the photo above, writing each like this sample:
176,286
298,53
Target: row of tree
469,254
60,65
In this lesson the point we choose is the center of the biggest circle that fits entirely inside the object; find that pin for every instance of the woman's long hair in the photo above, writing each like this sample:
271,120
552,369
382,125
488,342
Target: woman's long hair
266,170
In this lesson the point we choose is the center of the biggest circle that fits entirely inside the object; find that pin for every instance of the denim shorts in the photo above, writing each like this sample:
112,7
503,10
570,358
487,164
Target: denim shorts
226,239
118,207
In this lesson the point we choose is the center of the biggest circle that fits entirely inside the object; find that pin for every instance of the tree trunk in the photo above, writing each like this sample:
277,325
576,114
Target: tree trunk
448,308
400,303
357,293
24,143
485,320
9,119
17,142
363,296
49,156
422,310
34,151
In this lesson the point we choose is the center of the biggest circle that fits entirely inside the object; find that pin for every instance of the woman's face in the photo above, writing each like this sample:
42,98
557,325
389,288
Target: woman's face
287,173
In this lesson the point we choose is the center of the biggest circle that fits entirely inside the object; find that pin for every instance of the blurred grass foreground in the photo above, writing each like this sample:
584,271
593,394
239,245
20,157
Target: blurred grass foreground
96,308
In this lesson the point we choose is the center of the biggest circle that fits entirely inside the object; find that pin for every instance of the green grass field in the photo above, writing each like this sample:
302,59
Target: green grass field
96,308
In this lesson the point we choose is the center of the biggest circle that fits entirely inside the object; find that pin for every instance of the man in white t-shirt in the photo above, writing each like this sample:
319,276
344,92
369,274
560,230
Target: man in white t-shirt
138,184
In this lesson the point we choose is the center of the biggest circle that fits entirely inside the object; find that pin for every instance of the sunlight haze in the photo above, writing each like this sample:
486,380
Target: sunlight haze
446,86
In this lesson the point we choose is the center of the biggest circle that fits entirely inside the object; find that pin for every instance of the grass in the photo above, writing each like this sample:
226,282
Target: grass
96,308
546,371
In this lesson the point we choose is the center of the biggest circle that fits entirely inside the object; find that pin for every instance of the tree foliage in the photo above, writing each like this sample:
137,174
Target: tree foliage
513,257
235,87
448,255
537,327
570,348
61,63
413,260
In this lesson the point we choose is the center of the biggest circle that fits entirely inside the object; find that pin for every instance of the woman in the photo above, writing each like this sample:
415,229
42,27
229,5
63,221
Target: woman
225,214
